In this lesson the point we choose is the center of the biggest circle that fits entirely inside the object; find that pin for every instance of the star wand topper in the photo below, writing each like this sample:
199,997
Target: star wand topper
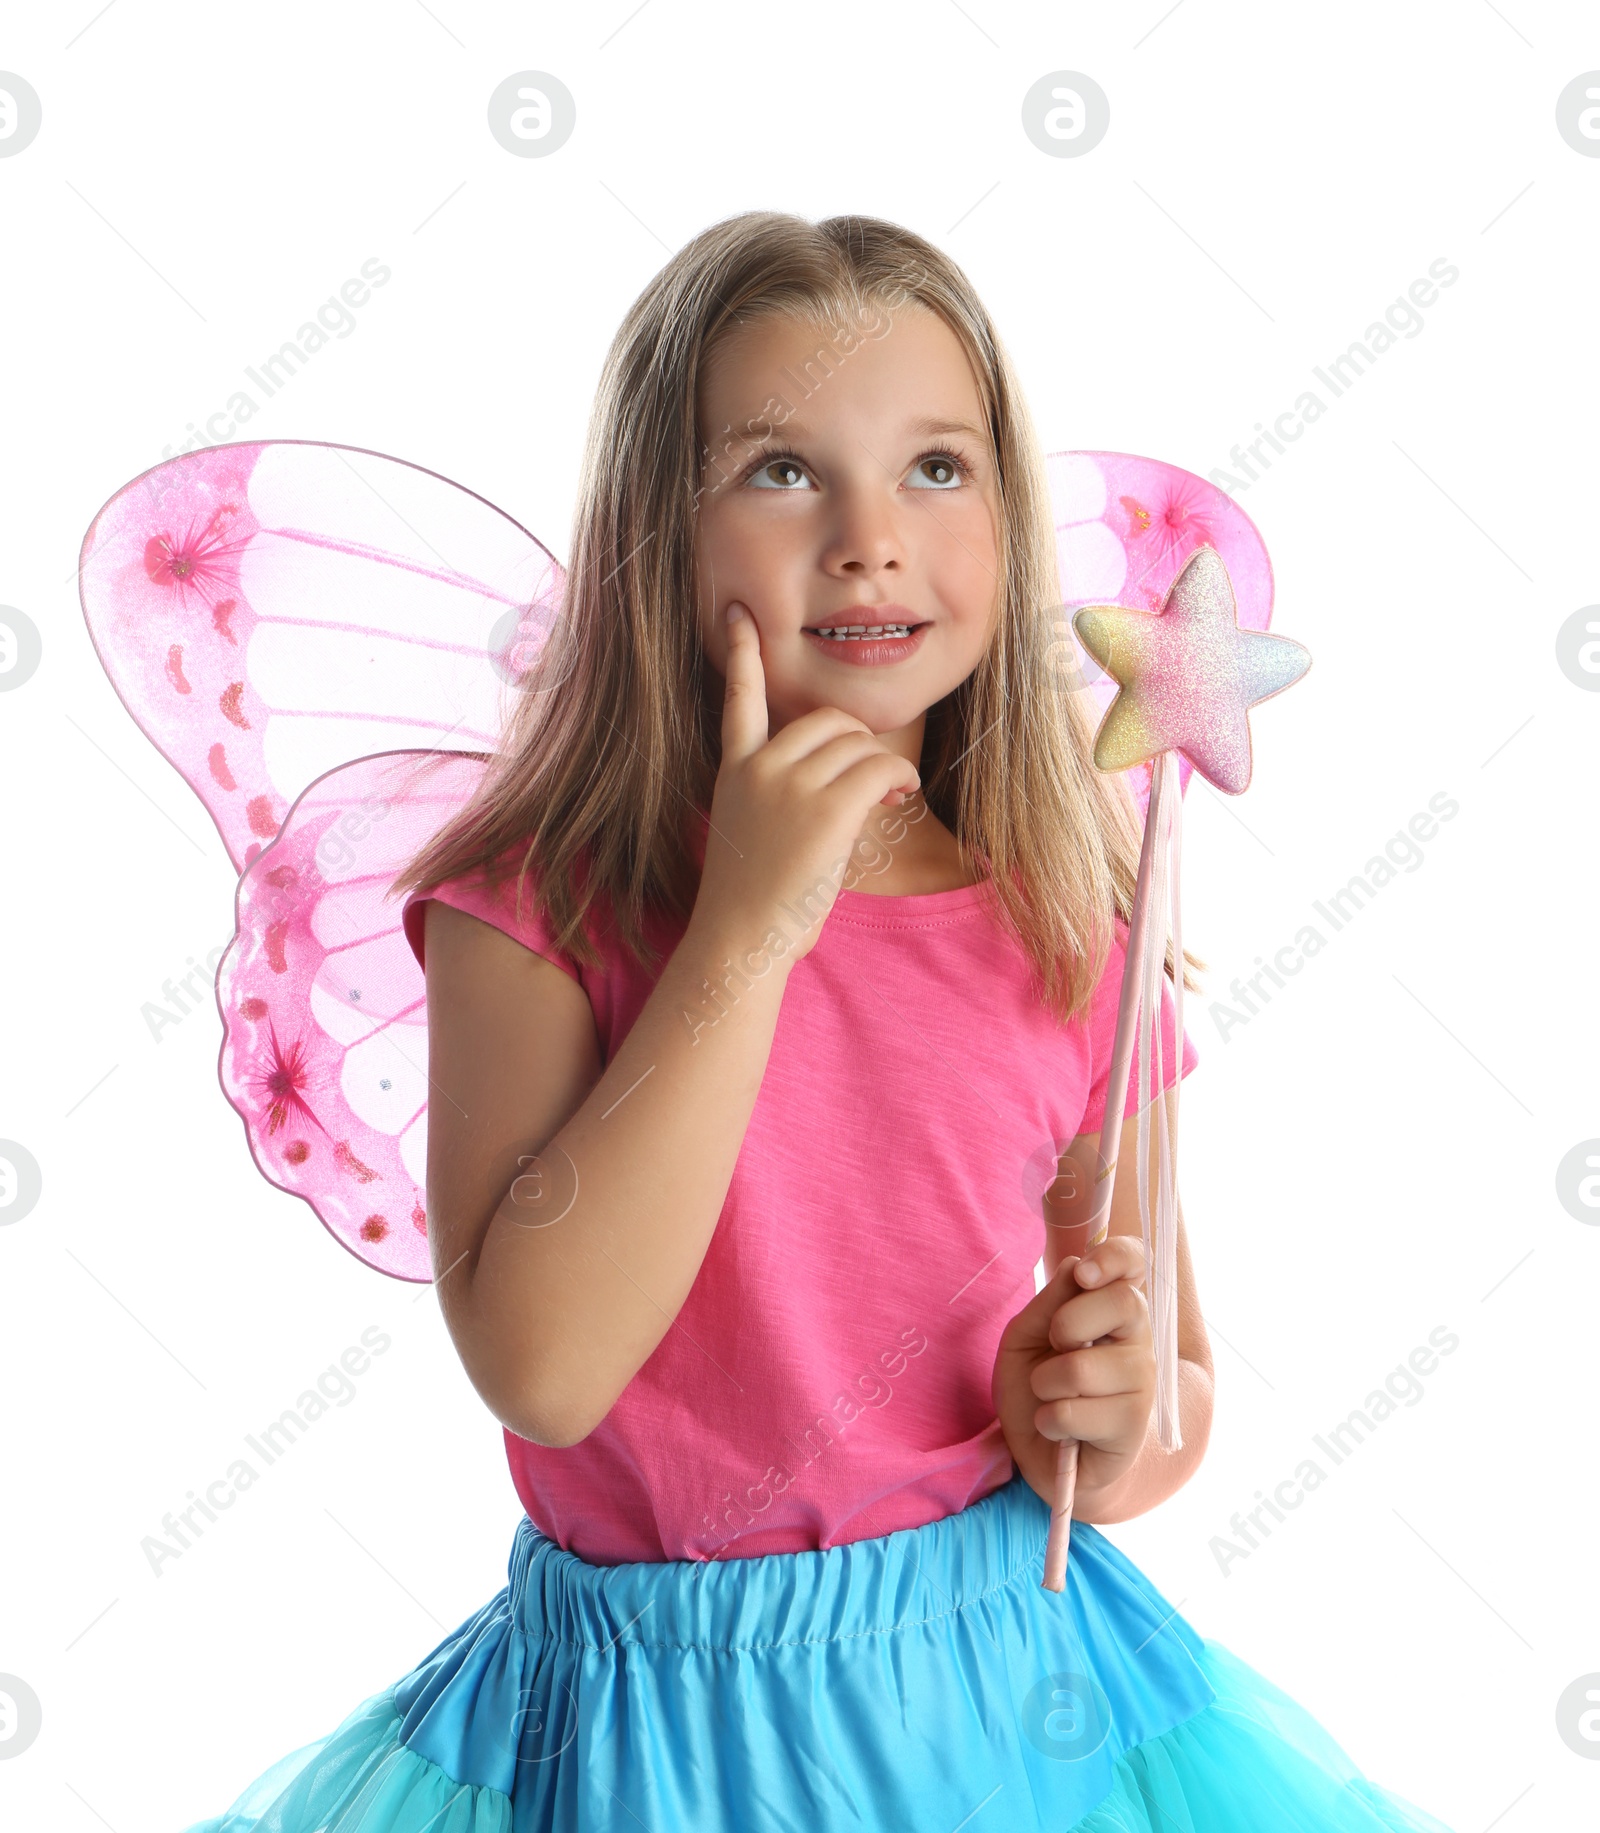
1187,677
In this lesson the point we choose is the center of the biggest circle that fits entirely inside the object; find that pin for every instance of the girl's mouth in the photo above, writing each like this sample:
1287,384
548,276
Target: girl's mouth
867,644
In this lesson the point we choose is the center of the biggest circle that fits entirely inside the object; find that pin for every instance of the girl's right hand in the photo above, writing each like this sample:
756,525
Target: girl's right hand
786,812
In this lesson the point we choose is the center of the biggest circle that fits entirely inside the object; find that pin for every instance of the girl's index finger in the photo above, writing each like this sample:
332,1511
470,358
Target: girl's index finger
744,692
1117,1257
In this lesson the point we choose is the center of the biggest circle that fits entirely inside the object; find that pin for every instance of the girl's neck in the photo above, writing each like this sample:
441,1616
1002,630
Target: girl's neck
908,852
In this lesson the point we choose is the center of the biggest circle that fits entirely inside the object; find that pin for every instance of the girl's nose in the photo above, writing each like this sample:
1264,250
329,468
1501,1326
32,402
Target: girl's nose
865,535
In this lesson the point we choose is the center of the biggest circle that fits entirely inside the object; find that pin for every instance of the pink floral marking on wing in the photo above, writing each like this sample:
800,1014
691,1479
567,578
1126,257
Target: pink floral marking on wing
272,942
195,561
346,1160
263,819
1176,515
228,700
280,1084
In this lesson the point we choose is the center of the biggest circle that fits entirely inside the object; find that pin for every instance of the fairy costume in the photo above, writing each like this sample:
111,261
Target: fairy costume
792,1579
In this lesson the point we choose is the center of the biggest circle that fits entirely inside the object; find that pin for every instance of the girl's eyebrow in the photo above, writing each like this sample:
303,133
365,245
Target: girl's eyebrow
923,424
931,424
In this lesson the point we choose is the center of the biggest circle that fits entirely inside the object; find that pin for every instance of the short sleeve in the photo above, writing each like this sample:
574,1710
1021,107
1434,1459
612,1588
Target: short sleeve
497,906
1102,1031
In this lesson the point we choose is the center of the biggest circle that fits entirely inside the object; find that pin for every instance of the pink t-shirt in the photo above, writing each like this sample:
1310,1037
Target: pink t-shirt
828,1377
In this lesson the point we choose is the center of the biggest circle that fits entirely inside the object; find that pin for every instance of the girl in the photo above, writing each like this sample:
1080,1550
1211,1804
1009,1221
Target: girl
772,974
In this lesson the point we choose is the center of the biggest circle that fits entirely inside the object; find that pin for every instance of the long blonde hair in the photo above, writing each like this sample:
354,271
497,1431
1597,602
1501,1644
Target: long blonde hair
611,750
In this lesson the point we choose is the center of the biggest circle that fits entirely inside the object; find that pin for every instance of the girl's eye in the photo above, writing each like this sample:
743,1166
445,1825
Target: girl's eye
778,474
939,470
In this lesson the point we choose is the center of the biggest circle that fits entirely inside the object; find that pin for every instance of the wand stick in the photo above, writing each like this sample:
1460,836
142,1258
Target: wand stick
1055,1554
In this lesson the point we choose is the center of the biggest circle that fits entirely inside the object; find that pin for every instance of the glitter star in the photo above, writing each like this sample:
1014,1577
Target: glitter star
1187,675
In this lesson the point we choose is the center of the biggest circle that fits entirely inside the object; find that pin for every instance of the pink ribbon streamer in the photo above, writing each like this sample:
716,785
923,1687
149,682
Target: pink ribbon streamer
1161,1257
1154,927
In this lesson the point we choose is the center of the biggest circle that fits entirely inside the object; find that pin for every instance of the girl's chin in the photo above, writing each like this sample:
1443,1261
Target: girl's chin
882,714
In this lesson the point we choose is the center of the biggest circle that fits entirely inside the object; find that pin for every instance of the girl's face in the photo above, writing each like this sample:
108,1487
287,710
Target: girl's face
869,500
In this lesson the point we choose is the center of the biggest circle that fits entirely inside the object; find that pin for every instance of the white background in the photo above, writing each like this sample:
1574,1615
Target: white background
1369,1157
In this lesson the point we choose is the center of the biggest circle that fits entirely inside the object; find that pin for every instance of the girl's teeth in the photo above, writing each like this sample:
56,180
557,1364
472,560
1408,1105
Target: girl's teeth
848,633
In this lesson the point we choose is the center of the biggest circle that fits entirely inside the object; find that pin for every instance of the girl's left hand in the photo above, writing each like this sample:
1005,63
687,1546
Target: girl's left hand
1047,1387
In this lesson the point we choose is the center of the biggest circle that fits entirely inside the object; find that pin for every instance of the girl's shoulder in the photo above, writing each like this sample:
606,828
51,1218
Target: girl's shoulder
505,892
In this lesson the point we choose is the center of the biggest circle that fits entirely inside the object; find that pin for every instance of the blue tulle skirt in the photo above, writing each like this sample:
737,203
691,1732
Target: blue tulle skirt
921,1680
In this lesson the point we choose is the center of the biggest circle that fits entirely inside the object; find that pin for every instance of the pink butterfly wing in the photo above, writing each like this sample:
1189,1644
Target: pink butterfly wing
269,611
1124,528
278,618
325,1046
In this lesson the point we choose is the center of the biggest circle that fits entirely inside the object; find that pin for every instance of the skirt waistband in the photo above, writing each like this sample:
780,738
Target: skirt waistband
864,1587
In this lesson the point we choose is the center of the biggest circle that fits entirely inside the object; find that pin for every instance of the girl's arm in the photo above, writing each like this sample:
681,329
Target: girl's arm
570,1208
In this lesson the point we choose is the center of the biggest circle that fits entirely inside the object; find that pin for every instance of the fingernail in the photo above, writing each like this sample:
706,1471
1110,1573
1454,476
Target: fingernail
1087,1273
735,611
